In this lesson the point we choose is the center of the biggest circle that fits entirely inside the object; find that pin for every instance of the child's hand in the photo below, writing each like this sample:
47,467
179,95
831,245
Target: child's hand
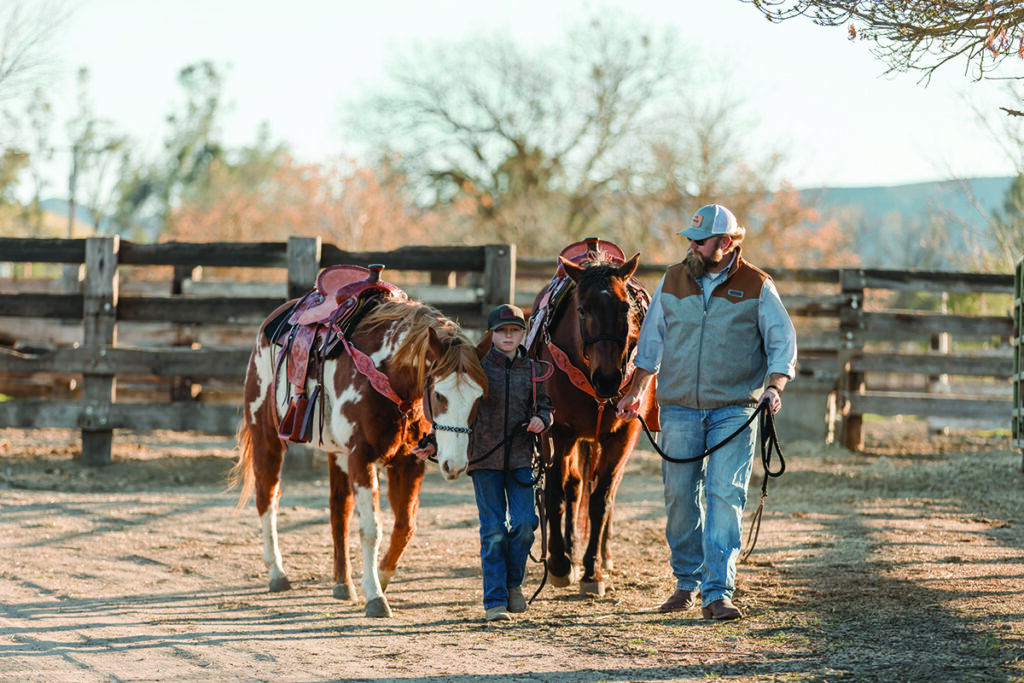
536,425
425,449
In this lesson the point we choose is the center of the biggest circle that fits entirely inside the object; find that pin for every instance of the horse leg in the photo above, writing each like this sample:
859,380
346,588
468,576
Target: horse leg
342,503
607,563
363,476
405,475
614,455
267,451
560,496
593,582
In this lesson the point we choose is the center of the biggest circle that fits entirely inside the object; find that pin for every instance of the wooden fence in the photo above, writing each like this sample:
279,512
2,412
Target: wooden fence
174,358
95,362
859,355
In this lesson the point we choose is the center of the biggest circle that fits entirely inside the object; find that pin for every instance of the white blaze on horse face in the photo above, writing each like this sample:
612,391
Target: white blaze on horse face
453,447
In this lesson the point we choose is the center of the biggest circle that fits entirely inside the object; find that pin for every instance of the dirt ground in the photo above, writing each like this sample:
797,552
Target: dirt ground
904,563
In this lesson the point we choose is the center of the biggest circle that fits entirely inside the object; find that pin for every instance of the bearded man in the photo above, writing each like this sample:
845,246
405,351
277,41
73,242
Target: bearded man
715,333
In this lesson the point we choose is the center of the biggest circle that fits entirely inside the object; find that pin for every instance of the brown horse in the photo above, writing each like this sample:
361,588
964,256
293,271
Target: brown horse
421,354
588,328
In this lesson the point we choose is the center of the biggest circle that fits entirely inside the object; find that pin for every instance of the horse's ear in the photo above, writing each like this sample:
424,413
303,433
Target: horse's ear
571,269
627,269
434,344
485,345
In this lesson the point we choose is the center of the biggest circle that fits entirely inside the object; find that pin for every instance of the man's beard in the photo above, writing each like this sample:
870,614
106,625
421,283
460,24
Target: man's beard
697,264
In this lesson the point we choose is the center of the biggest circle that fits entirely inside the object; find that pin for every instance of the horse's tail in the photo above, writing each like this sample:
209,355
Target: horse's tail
242,470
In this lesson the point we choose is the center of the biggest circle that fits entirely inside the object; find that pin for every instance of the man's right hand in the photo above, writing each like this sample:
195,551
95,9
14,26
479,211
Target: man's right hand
628,406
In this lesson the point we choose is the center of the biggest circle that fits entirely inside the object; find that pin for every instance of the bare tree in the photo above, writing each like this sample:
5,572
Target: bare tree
97,155
149,190
603,133
26,28
919,35
515,137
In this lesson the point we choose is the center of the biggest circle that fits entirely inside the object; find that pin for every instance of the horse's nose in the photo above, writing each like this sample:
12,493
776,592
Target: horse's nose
606,385
450,473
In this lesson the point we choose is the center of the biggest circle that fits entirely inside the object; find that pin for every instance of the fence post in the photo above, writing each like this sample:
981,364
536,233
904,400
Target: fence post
499,278
99,330
851,322
181,387
303,264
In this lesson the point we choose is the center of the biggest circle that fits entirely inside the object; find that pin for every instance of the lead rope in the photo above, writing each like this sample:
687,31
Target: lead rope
538,487
769,443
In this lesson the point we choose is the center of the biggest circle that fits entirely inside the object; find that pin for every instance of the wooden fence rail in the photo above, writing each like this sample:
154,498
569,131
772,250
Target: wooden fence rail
100,310
119,358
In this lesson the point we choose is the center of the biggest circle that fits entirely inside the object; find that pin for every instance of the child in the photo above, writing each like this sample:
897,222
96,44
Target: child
501,481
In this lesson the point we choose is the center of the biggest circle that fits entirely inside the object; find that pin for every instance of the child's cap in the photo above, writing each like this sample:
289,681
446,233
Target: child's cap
506,314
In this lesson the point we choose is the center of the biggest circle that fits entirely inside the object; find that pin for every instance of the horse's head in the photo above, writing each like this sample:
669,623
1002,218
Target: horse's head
455,385
609,319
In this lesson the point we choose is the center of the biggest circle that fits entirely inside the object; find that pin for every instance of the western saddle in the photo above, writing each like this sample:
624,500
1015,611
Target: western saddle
311,331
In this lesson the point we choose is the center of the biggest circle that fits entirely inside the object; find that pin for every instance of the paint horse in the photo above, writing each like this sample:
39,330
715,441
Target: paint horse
364,406
586,321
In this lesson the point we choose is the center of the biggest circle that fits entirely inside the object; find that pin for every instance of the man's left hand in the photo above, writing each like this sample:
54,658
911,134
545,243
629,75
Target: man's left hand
773,398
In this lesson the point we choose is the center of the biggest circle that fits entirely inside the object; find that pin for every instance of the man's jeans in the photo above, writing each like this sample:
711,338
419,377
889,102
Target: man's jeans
705,541
507,521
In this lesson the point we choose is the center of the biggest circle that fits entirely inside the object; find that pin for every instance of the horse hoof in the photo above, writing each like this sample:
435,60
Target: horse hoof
558,581
343,591
592,588
608,564
280,584
378,607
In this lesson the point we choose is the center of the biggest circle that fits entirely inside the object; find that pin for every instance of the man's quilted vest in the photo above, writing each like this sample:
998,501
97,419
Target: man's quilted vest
714,357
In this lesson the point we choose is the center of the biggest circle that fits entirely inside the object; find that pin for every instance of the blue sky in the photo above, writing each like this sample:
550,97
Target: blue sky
816,94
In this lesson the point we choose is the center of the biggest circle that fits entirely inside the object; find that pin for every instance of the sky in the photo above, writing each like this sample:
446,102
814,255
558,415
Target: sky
292,63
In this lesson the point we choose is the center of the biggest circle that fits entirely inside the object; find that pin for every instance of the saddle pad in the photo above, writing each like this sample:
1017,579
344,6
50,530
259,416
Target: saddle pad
548,308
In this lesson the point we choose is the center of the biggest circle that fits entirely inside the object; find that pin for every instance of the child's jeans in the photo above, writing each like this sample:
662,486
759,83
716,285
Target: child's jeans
507,521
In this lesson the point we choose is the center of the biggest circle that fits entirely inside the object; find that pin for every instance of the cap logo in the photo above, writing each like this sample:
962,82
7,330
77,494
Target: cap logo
697,220
507,314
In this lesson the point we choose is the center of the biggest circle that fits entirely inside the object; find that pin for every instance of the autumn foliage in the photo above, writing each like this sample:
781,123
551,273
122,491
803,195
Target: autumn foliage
355,208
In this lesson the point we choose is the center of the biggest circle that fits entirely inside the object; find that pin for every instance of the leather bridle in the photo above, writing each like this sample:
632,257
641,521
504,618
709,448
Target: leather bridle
604,336
428,412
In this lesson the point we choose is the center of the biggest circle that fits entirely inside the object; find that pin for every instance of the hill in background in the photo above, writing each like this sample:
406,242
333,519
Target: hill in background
931,225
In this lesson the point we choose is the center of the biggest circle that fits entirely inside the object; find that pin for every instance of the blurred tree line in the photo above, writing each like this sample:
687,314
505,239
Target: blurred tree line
616,131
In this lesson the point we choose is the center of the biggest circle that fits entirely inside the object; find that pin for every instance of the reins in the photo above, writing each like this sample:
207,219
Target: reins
769,442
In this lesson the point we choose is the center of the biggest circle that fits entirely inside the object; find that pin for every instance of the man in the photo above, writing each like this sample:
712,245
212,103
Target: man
715,331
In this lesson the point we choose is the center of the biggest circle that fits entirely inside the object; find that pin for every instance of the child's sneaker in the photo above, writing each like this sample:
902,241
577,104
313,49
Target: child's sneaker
516,600
498,613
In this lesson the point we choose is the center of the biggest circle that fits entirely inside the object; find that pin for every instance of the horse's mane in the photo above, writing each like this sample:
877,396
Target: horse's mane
413,320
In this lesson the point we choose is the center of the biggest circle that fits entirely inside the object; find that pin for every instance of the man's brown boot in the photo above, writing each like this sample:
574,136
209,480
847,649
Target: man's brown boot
680,601
721,610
